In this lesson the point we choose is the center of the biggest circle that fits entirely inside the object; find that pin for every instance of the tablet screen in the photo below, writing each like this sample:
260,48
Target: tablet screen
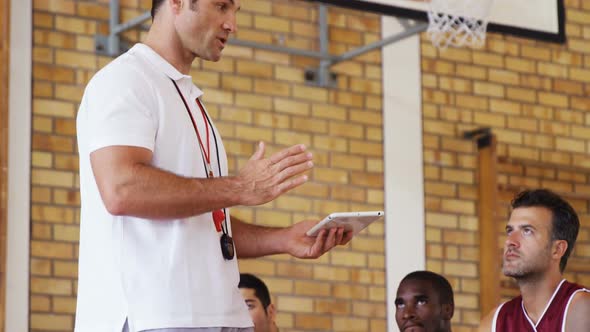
350,221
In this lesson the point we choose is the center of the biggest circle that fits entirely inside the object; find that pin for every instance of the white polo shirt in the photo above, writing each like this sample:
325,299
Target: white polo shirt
158,273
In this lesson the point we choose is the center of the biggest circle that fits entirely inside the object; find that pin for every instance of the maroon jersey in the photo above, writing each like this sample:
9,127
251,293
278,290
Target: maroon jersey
512,317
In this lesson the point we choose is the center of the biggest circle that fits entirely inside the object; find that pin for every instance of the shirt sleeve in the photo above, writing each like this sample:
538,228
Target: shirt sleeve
121,109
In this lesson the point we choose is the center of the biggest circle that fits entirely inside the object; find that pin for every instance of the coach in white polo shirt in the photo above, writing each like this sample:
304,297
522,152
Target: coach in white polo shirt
157,246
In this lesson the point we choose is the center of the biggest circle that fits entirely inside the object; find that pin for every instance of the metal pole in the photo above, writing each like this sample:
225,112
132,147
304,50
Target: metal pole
391,39
119,28
275,48
324,69
113,42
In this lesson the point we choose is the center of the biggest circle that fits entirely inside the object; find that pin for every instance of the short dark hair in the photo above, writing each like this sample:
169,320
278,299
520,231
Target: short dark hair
248,280
439,283
565,222
155,6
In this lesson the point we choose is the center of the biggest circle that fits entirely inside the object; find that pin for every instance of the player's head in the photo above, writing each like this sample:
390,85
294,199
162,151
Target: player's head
257,299
540,215
200,27
424,302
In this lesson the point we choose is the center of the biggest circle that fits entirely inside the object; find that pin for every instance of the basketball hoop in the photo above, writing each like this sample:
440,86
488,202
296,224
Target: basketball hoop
458,22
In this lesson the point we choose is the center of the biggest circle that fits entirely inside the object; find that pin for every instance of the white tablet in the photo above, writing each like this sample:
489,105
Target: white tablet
350,221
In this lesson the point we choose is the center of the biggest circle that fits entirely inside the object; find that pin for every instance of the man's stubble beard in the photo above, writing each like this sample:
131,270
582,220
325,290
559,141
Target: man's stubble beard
528,270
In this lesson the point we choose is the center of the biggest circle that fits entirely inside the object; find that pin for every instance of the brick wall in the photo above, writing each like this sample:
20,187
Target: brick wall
534,96
252,95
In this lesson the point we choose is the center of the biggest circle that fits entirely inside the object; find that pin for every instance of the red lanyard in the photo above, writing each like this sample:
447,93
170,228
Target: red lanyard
218,215
206,153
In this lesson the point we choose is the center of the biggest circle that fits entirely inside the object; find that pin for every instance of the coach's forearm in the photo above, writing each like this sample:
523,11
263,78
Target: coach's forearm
148,192
255,241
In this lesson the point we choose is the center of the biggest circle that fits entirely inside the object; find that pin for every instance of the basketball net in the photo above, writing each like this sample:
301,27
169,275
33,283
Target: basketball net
458,22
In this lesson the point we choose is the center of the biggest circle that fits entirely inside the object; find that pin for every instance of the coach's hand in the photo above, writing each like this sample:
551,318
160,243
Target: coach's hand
299,245
263,179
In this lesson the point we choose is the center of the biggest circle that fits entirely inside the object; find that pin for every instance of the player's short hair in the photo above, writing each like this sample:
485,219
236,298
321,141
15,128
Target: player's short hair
439,283
248,280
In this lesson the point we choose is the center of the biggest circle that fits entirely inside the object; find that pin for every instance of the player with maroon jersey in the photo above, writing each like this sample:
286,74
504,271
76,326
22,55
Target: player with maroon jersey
540,236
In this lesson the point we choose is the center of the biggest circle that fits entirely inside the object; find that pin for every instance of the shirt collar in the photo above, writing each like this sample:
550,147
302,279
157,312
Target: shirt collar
165,67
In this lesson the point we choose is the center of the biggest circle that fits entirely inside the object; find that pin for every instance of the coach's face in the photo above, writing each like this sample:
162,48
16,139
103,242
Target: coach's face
419,309
204,26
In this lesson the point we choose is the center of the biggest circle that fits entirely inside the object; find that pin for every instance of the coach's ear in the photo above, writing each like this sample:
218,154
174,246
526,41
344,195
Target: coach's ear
448,310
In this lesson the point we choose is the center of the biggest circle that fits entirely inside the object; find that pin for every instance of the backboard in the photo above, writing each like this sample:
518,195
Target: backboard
535,19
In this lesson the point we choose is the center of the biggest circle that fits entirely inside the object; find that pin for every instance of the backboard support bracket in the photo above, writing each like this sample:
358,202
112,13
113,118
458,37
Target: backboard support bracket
321,76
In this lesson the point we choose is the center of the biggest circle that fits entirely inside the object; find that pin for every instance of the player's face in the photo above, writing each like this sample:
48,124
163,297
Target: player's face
418,307
204,26
528,245
263,320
